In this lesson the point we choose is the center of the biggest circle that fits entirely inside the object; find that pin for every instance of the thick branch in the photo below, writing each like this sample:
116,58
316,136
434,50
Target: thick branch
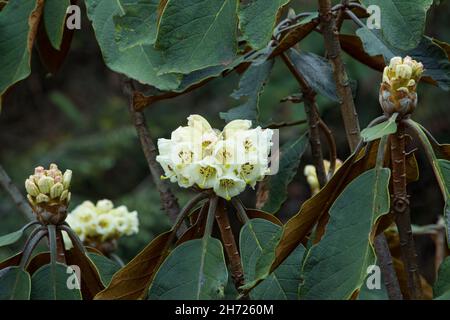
229,242
344,91
387,268
401,210
312,114
168,199
15,194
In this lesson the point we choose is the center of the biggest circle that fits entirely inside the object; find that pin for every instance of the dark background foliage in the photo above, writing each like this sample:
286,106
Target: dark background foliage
79,119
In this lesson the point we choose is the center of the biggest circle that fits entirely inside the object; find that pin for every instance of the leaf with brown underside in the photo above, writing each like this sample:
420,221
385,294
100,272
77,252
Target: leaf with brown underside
51,58
198,227
300,225
39,260
91,283
255,213
132,281
11,261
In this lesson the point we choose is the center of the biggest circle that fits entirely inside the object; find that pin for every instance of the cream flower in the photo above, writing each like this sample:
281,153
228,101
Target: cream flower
226,161
229,186
102,222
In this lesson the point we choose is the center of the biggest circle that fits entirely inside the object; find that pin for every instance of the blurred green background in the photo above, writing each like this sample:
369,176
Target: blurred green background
79,119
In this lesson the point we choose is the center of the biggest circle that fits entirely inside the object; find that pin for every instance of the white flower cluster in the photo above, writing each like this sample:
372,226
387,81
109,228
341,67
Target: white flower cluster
224,161
101,222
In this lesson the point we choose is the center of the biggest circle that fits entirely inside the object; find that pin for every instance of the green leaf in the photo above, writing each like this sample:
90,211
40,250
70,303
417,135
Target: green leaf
316,70
138,24
367,293
15,284
337,266
195,270
55,20
257,19
18,30
291,154
140,62
380,130
13,237
106,267
433,57
51,283
195,34
441,288
402,21
256,239
251,86
373,44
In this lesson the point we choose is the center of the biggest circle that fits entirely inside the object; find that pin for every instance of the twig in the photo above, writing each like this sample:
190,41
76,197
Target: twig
401,211
331,147
15,194
341,14
309,97
229,242
168,199
278,125
344,91
387,268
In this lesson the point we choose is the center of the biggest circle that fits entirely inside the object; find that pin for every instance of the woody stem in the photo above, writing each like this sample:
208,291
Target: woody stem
401,210
229,242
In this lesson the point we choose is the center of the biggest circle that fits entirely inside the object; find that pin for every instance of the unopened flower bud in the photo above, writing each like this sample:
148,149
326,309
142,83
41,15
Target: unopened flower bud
403,71
309,170
56,190
31,188
67,177
398,88
42,198
313,182
45,183
64,195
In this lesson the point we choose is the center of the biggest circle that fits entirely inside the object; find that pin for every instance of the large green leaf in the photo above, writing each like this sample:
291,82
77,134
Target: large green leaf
367,293
290,156
50,282
11,238
195,270
18,24
140,62
336,267
251,86
195,34
257,19
55,20
402,21
441,288
138,24
316,70
380,130
106,267
256,238
15,284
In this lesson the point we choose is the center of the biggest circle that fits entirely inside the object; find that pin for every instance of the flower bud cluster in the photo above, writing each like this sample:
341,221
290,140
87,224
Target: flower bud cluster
398,88
48,187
